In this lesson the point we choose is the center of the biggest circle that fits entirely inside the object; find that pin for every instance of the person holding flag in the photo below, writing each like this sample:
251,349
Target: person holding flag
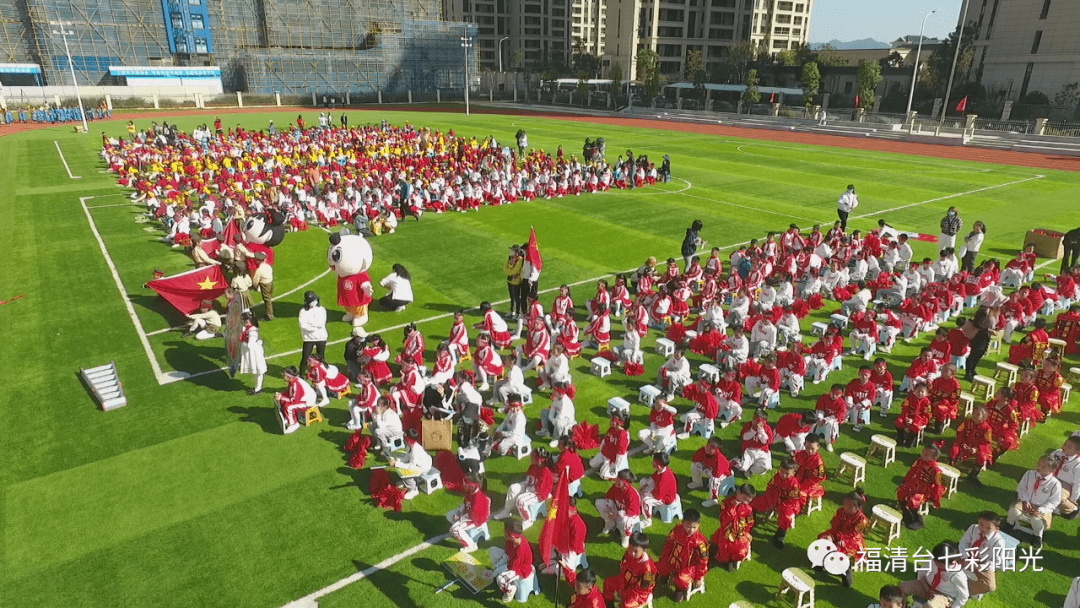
563,533
530,269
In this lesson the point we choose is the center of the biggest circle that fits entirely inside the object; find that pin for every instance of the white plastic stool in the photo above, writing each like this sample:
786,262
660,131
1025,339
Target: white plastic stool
709,372
600,366
1008,370
479,533
574,488
1056,350
648,393
705,428
668,513
431,481
1066,391
952,478
665,347
526,587
839,319
523,450
854,464
813,504
984,385
967,400
889,518
397,443
819,328
883,446
799,584
526,396
618,404
537,510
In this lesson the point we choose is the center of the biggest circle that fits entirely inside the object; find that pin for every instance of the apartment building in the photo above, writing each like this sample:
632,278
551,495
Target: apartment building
538,29
673,28
1026,45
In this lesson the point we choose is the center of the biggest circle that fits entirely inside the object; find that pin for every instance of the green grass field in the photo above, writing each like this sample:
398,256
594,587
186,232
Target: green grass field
190,496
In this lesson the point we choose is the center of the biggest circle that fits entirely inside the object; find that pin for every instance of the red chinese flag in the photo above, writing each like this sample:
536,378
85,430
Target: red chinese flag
772,97
556,531
960,107
211,247
185,290
533,254
856,101
231,236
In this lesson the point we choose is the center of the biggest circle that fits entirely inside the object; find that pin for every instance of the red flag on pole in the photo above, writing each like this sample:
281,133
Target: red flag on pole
533,254
856,101
185,290
960,107
231,235
772,97
555,535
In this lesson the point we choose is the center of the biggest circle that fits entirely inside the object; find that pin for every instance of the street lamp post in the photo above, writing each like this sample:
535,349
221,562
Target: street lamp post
467,44
501,40
915,71
64,32
955,58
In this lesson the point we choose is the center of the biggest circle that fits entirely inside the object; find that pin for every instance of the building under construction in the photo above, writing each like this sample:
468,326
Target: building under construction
260,46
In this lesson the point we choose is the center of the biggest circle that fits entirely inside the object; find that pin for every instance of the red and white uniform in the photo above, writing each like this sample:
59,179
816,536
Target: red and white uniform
459,339
560,309
297,397
413,348
495,327
599,329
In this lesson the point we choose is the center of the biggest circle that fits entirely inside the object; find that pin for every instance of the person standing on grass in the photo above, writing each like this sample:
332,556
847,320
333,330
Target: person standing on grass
972,242
530,275
690,243
263,279
512,270
1071,243
399,284
312,320
846,203
950,227
978,329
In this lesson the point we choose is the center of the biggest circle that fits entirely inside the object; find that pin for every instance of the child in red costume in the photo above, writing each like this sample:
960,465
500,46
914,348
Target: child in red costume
685,558
1049,382
811,471
634,584
1004,422
973,440
731,541
586,593
782,497
846,530
921,484
512,563
1027,395
944,397
914,416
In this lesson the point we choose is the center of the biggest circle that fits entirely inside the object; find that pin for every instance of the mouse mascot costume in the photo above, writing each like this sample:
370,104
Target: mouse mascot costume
262,233
349,256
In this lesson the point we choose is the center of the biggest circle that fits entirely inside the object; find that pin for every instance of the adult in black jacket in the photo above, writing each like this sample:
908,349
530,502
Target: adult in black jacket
691,243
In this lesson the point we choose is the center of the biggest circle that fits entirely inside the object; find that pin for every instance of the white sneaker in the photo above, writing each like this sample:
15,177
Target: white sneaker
682,436
483,387
292,428
830,447
501,515
625,541
351,426
554,443
856,428
709,503
411,494
645,523
508,597
694,485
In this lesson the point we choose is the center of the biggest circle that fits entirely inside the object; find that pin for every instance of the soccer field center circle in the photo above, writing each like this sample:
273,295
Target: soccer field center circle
717,204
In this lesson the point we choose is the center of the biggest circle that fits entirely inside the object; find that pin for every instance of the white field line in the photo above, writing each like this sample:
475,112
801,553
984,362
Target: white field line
114,205
311,600
64,160
947,197
123,294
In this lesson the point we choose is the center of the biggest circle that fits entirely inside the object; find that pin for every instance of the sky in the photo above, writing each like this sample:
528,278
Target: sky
882,20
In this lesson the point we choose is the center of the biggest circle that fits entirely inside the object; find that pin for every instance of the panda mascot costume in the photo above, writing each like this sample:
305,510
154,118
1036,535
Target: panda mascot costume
261,233
349,256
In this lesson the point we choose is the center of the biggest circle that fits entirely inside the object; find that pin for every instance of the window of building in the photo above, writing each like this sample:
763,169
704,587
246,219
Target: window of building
669,50
486,31
532,9
558,23
558,12
1035,44
532,31
669,32
848,86
484,8
557,45
486,20
1027,80
723,3
669,14
798,20
197,22
796,32
722,19
201,46
718,51
532,44
532,21
1046,9
464,6
715,34
783,18
779,44
782,31
784,6
670,67
532,55
177,21
799,8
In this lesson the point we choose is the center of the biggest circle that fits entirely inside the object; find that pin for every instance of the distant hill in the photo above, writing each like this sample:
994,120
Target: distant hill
865,43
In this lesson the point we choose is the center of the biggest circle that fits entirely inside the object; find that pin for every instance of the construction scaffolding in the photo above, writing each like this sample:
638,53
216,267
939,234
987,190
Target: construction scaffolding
261,46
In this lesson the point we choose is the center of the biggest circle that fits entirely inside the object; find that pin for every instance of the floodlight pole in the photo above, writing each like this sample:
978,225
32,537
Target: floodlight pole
75,81
501,40
467,44
915,71
955,58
